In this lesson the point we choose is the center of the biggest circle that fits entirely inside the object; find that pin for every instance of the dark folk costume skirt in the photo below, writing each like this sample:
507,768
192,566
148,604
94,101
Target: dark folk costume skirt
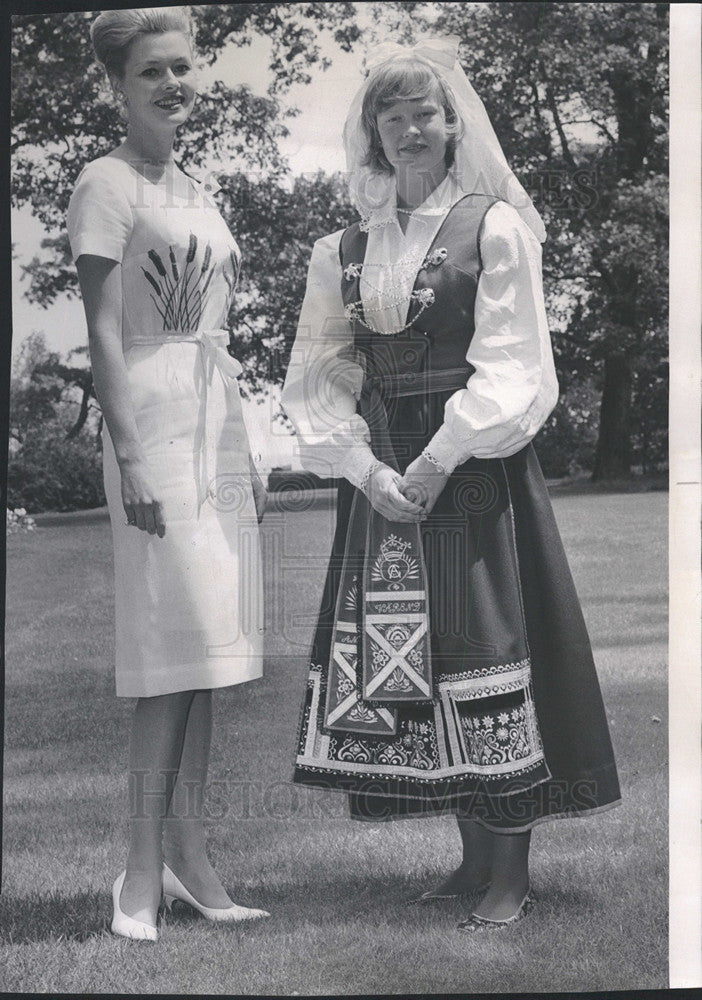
515,730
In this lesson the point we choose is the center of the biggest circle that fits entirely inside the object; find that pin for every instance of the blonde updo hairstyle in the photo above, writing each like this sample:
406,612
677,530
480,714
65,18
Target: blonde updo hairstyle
405,80
113,32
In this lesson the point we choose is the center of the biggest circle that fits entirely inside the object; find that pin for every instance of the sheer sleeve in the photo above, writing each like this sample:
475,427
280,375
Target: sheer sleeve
513,388
323,381
99,219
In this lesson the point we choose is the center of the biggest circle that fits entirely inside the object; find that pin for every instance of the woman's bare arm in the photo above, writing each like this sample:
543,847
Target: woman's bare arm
101,288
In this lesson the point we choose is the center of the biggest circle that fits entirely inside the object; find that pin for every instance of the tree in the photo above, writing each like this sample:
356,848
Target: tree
276,227
54,454
44,387
64,116
578,97
32,399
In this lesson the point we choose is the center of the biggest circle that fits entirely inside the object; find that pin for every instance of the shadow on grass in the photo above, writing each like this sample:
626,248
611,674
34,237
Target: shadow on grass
55,917
653,600
332,901
659,638
326,902
322,902
584,486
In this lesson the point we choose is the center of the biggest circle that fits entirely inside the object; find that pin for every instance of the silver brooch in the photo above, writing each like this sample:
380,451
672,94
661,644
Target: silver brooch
425,297
352,271
351,311
436,257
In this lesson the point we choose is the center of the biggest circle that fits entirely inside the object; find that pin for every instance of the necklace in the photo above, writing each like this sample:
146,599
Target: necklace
405,211
356,312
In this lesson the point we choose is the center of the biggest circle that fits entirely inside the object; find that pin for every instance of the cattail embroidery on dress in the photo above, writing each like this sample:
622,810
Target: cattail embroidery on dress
179,293
232,282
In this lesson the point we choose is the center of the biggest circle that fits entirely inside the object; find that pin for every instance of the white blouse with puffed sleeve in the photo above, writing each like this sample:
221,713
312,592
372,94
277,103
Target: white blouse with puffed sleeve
508,397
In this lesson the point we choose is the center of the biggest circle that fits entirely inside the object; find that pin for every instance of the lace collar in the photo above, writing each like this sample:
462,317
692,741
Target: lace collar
439,202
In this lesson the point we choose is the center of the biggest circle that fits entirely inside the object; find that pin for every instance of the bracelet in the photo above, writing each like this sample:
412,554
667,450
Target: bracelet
363,486
435,462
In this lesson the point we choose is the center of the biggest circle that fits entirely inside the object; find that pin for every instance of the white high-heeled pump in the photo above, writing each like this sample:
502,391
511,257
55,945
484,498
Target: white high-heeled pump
125,925
173,889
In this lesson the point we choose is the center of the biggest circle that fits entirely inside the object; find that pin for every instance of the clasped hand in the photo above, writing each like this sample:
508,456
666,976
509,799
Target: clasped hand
406,498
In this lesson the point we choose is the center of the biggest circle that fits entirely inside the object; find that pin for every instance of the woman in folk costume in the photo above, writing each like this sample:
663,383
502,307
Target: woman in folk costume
451,669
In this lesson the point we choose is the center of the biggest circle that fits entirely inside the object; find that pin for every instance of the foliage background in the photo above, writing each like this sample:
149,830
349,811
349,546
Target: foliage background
578,97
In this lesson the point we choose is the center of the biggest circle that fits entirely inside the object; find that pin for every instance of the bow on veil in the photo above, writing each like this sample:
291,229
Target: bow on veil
441,51
479,165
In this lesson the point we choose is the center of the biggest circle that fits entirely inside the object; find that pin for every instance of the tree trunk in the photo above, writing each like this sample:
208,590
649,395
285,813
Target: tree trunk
613,456
82,414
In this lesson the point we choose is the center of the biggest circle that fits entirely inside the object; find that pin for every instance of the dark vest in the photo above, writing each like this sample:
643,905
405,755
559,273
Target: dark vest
438,338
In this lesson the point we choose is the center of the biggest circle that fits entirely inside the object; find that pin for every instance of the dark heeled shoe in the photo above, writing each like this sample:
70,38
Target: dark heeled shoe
478,923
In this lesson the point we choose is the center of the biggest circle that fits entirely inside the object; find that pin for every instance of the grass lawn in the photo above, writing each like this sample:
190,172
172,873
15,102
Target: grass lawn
335,888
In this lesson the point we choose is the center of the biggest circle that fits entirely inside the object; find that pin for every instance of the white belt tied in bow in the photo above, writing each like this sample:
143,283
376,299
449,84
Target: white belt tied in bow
215,356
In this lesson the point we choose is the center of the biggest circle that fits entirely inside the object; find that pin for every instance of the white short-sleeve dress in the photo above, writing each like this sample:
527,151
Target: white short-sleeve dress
188,606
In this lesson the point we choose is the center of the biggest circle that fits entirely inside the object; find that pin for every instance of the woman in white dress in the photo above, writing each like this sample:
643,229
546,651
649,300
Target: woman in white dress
157,268
451,670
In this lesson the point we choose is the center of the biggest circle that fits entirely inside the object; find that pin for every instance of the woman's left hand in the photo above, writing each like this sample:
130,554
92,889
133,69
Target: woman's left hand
260,492
423,483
